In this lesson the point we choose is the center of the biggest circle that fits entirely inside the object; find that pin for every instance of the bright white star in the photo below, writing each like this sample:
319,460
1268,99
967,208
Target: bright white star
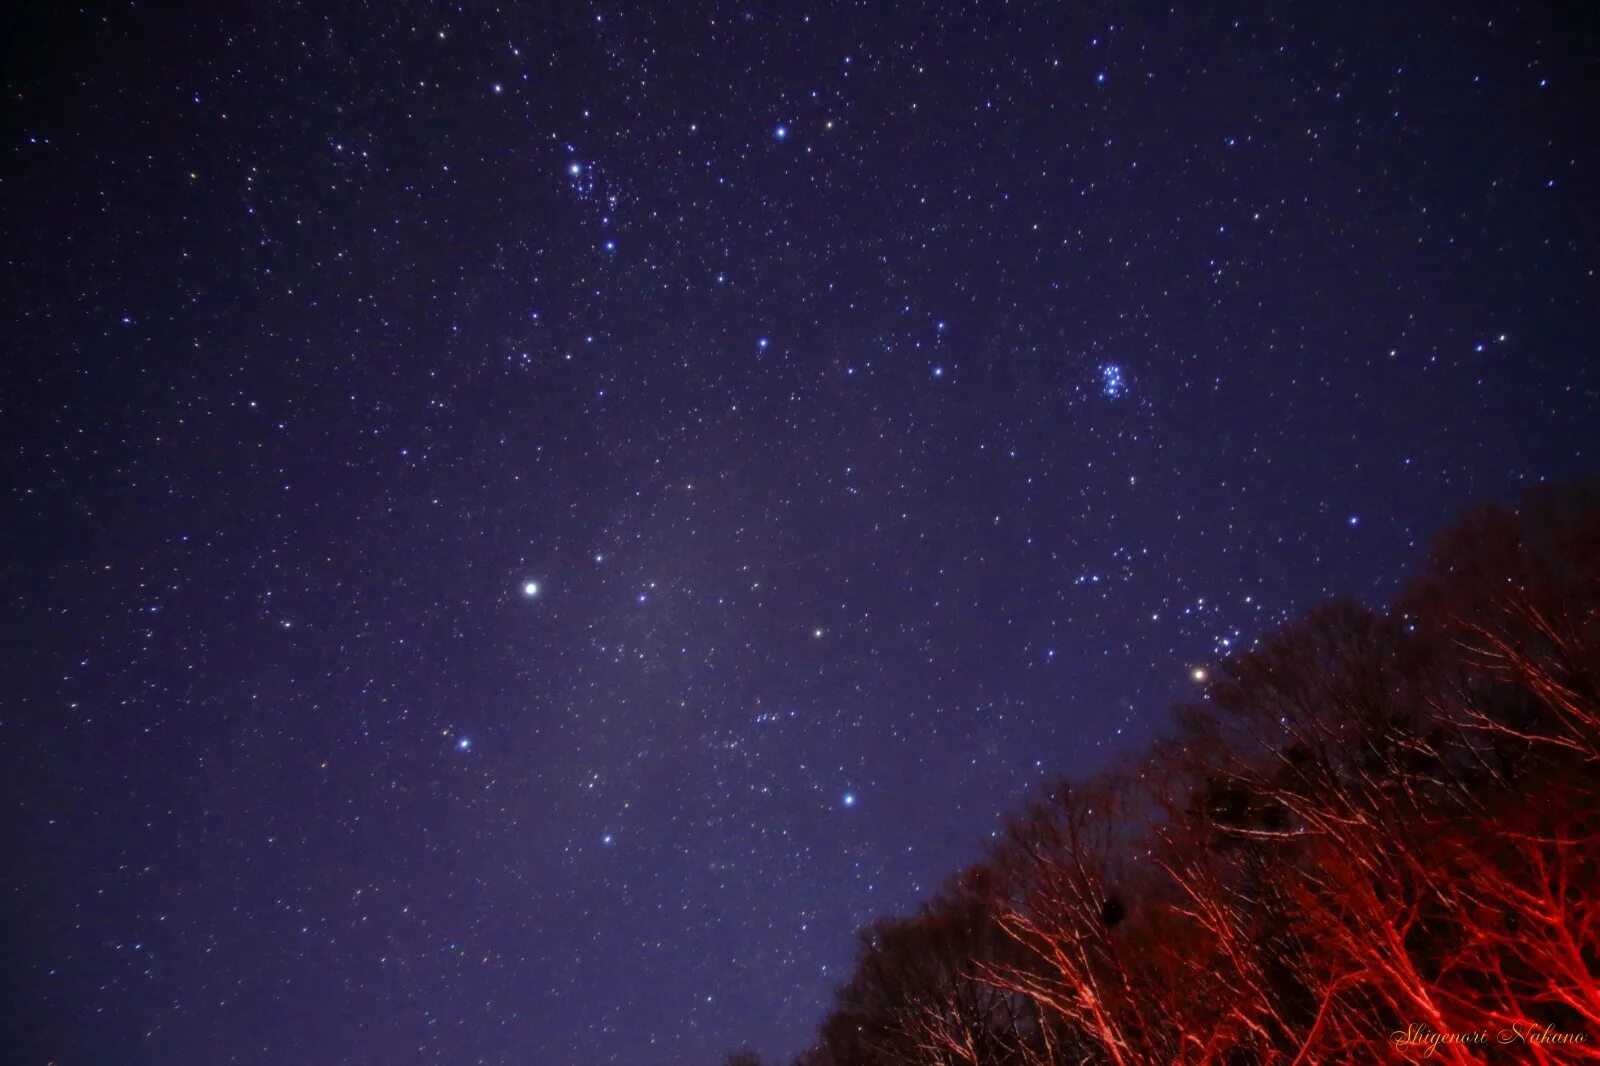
1112,384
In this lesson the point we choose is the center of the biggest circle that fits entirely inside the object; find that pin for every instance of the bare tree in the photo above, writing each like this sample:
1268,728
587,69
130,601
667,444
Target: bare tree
1375,825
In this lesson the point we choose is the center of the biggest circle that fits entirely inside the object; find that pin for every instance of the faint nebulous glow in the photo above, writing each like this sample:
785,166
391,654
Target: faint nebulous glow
948,587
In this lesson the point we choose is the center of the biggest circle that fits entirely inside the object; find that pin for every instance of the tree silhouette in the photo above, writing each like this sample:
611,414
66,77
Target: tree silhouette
1372,827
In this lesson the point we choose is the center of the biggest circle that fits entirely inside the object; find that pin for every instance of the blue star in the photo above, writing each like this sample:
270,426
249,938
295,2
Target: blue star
464,744
781,132
1112,384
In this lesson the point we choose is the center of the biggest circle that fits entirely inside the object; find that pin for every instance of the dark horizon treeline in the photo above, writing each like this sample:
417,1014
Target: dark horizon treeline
1372,824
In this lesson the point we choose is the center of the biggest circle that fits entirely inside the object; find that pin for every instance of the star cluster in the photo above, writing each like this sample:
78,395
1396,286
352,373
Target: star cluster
528,526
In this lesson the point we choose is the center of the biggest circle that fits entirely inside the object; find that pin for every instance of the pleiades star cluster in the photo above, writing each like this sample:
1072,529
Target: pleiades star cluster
527,524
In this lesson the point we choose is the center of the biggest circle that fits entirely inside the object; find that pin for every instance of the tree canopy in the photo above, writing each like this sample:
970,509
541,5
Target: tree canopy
1375,836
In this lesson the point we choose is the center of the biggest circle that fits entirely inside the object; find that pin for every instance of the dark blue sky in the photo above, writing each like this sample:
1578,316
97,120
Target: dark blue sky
891,406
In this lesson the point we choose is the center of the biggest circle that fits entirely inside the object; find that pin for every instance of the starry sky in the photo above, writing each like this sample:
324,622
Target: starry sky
527,524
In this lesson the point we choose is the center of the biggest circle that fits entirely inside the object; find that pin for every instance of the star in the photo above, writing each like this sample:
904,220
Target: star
1149,364
1112,384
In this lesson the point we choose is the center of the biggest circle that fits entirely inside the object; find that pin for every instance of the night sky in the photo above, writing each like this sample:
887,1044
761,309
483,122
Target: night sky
526,526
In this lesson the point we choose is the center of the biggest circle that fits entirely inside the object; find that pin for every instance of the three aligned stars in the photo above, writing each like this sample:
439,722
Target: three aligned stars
531,590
